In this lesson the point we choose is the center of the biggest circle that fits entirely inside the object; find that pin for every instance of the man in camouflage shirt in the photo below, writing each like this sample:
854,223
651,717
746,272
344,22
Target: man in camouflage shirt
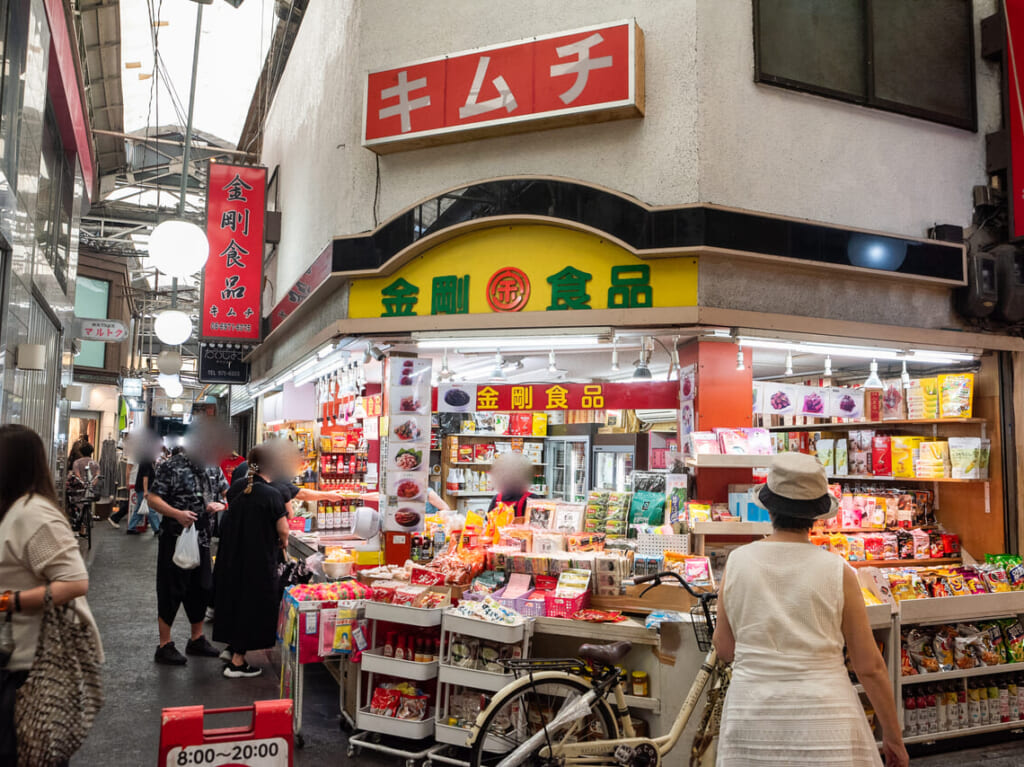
188,490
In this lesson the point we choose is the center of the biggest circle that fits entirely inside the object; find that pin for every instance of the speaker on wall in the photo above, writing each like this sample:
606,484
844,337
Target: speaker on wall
978,299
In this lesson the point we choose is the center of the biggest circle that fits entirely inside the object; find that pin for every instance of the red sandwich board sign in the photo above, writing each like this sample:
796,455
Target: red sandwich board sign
267,742
585,75
233,276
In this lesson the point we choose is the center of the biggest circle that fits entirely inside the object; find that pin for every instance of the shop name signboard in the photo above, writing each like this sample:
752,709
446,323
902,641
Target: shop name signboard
547,270
233,275
223,364
585,75
461,398
104,331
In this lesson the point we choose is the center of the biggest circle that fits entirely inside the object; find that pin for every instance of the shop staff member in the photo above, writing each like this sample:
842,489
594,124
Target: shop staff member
785,610
188,490
512,475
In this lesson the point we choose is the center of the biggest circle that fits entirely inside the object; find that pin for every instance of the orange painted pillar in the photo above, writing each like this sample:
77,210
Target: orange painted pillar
724,401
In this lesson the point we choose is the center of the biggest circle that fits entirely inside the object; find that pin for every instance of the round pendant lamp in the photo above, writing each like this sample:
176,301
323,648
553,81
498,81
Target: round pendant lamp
173,327
168,362
172,387
178,248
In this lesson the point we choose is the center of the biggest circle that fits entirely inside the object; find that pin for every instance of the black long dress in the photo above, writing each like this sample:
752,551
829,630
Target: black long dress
246,593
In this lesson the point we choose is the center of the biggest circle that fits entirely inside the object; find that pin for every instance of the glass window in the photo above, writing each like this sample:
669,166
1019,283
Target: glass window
14,20
92,298
916,58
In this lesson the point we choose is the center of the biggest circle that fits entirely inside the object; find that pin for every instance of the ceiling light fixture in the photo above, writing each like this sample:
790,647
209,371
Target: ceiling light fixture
905,376
860,352
173,327
789,363
873,382
178,248
615,356
510,343
552,367
445,374
740,362
828,366
642,369
498,372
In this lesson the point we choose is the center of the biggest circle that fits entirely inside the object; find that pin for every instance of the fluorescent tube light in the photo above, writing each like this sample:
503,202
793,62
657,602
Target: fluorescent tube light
506,343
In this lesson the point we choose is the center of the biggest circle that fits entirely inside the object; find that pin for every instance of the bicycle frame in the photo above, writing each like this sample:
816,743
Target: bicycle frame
599,753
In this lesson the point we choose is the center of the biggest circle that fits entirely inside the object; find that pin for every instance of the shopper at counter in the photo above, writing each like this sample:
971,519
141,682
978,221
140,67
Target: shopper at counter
188,490
247,595
786,608
511,476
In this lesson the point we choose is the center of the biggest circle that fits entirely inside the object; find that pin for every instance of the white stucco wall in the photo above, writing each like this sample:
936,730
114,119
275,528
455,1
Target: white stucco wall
710,133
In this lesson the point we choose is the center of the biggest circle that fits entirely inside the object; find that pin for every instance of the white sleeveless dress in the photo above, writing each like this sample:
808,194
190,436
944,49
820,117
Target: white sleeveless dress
790,701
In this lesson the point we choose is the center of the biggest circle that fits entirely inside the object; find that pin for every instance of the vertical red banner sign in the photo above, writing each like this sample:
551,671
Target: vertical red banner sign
233,275
1015,118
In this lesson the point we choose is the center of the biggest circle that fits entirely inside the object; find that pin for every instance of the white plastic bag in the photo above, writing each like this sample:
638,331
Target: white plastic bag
186,550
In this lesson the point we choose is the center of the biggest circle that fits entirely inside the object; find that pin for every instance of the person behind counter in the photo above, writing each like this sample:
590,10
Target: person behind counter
246,591
785,610
511,476
286,469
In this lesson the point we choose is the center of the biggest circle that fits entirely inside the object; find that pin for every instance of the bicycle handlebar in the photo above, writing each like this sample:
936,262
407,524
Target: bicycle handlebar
655,580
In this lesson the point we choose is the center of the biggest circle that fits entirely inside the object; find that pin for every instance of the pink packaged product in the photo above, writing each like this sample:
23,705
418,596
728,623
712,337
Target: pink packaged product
759,441
705,443
850,513
922,546
732,441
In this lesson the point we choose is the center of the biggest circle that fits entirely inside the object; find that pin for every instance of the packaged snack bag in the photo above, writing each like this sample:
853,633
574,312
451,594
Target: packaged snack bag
974,580
993,646
907,667
1013,637
842,458
957,585
922,547
905,544
951,545
872,547
965,457
840,545
964,650
851,513
995,577
942,645
856,548
893,406
923,399
956,395
869,597
935,545
826,451
881,456
903,452
919,645
890,546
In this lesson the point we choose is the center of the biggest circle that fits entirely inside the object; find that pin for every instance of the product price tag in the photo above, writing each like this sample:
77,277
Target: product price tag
311,621
267,752
357,634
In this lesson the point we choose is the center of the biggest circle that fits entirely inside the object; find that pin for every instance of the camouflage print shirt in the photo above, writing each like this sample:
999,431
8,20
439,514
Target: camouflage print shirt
184,485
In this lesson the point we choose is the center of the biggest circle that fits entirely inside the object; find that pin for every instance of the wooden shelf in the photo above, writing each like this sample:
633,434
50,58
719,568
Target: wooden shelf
855,425
709,461
960,673
873,477
907,562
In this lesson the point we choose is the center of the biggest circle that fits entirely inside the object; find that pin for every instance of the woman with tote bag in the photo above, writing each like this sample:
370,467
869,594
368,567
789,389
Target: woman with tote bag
49,654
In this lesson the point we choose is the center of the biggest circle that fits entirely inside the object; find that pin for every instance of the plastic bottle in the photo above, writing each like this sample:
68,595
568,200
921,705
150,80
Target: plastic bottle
963,717
400,649
952,708
924,716
1004,700
389,645
974,705
910,727
1020,695
941,710
321,516
993,701
1012,700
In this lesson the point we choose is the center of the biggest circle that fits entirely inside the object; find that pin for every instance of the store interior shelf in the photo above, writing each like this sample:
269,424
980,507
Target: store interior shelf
389,725
470,494
629,630
907,562
928,738
375,661
490,435
879,616
474,678
877,424
953,609
484,463
709,461
410,616
960,673
732,528
873,477
644,703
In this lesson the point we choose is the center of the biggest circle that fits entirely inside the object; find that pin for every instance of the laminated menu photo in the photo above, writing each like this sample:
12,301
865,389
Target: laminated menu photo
813,401
780,399
845,402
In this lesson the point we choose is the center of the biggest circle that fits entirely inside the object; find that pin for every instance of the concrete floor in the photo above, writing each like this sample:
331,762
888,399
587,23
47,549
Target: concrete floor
127,732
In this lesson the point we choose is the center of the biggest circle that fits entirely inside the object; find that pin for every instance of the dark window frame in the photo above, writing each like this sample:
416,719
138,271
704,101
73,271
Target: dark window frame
870,100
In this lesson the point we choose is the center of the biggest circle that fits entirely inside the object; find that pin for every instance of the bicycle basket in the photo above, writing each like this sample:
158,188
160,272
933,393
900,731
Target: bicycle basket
703,621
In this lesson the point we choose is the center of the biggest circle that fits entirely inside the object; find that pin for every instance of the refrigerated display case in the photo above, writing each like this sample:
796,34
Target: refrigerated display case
616,457
568,462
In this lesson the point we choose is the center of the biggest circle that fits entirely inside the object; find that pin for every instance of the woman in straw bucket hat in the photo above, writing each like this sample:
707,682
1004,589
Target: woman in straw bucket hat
785,611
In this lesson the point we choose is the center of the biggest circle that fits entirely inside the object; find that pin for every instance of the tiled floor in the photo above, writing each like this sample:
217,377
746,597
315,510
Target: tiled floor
122,596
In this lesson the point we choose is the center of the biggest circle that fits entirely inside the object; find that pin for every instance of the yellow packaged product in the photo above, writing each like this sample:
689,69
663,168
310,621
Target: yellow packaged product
869,597
903,449
839,544
923,399
956,395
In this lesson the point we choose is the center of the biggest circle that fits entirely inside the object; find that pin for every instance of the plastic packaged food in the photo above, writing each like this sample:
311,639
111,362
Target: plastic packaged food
942,645
1013,636
922,653
956,395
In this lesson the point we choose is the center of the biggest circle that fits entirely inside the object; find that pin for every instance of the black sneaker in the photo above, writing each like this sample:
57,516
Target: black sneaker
131,531
168,655
231,671
202,648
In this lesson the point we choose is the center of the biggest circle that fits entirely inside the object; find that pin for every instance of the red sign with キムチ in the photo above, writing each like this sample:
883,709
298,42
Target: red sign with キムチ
585,75
233,275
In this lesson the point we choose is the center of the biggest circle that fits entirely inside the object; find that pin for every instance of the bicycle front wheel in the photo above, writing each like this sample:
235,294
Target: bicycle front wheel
516,716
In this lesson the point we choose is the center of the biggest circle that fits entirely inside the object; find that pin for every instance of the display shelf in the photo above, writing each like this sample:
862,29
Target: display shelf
410,616
452,735
485,463
470,494
961,673
389,725
880,616
490,435
953,609
874,477
933,736
629,630
855,425
496,632
710,461
732,528
360,453
375,661
906,562
473,678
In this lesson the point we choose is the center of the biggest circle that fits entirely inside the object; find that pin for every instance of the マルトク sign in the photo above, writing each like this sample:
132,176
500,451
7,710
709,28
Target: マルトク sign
586,75
233,275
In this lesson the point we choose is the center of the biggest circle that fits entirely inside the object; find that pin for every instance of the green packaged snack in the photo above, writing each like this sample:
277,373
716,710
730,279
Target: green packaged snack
647,509
1013,637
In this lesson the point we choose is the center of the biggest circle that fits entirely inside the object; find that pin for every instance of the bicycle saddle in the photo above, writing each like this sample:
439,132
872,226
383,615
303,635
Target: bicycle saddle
605,654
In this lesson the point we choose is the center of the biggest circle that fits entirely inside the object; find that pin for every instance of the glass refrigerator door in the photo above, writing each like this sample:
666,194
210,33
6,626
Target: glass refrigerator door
613,470
568,472
580,474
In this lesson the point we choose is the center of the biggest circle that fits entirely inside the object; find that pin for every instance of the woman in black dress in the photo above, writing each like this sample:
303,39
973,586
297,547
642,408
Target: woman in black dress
247,597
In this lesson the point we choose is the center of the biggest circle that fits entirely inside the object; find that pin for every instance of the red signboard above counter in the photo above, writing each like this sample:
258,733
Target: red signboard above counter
587,75
557,395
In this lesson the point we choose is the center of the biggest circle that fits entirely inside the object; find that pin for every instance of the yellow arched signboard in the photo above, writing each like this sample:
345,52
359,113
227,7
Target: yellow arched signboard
525,268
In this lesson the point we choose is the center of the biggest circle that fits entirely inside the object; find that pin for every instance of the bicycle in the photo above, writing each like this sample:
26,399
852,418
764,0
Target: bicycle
79,498
557,714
